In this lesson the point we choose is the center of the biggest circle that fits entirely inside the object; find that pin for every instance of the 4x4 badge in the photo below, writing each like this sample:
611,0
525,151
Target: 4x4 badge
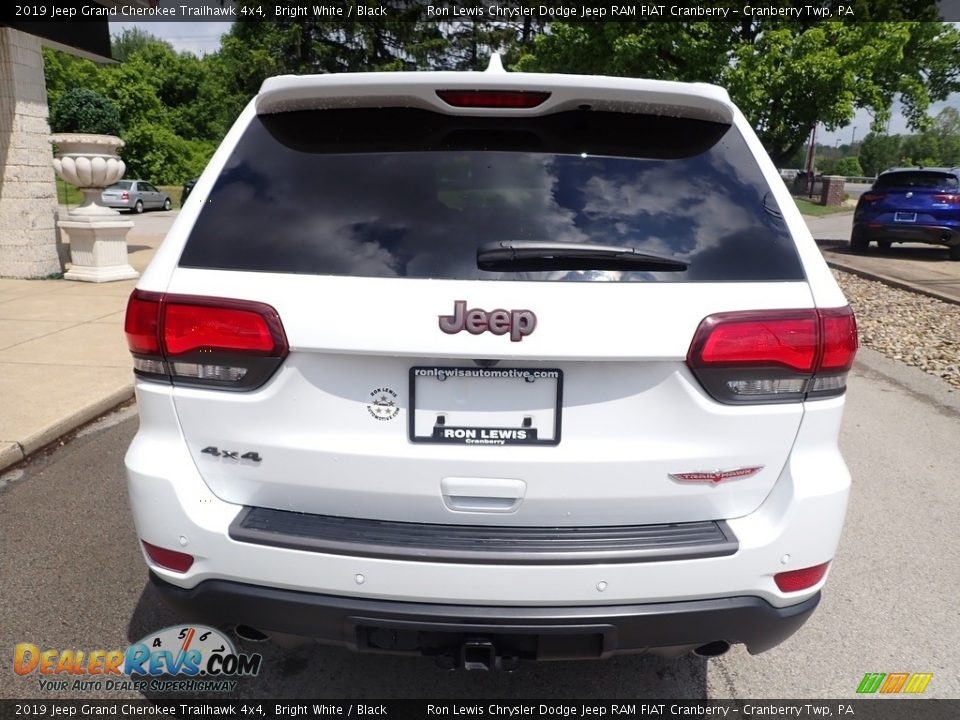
519,323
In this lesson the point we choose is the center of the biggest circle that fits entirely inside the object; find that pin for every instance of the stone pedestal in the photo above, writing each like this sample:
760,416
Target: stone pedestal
97,234
98,248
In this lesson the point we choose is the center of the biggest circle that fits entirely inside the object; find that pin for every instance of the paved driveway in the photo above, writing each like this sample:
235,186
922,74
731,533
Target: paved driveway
72,577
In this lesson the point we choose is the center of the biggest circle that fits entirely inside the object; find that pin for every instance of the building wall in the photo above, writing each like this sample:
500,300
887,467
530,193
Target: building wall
28,193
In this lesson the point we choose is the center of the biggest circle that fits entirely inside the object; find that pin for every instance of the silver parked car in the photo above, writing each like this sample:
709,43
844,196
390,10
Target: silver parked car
136,195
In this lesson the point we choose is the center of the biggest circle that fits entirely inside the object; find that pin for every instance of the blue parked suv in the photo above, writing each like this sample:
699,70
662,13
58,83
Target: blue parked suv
910,205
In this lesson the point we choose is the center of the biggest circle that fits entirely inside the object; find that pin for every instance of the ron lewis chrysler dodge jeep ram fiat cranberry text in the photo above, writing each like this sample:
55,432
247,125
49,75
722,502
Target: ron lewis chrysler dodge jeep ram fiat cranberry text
491,366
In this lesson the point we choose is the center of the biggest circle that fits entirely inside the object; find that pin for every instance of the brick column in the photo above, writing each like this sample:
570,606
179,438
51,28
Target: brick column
28,192
832,193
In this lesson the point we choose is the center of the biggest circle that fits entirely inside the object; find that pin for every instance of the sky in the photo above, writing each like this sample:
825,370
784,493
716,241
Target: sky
204,37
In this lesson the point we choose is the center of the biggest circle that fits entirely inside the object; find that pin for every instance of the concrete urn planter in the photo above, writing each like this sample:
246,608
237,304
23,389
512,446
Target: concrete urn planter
97,234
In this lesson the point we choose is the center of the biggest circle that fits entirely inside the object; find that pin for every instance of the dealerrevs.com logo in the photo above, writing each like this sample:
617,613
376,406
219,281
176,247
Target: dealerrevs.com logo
191,658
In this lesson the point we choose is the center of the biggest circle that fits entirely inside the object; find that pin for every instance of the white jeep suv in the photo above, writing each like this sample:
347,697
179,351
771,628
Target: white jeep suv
491,366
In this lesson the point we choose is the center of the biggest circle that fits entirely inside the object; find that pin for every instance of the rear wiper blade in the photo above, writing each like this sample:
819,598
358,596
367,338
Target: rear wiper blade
537,255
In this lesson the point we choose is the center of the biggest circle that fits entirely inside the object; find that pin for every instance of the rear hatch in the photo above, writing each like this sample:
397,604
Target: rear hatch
422,385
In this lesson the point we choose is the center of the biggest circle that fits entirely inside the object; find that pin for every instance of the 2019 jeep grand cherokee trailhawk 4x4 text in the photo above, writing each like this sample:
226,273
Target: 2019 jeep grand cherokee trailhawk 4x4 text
490,365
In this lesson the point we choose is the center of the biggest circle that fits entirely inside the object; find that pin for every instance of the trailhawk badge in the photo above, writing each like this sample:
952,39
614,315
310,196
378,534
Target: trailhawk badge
519,323
717,476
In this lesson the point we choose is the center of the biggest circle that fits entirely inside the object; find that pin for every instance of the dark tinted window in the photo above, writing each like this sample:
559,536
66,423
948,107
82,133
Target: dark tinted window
917,179
410,193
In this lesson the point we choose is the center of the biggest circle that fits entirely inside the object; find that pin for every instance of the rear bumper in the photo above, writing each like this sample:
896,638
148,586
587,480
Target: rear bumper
931,234
541,633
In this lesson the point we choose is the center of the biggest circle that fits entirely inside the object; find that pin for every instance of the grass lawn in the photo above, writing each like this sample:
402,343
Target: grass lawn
815,209
69,195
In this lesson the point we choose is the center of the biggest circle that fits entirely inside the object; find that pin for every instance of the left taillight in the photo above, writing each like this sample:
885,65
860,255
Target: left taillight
200,341
774,356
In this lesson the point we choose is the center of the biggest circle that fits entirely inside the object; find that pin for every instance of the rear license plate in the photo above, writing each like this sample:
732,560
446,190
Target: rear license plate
485,406
905,217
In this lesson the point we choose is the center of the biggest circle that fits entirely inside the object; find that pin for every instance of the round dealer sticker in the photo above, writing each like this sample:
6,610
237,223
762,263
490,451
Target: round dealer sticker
383,404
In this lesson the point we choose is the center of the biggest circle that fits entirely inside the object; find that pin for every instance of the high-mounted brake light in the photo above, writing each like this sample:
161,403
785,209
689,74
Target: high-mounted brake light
774,355
212,342
518,99
796,580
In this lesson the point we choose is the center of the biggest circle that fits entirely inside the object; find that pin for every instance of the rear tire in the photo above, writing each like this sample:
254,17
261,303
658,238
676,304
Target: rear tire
138,208
859,244
955,252
167,204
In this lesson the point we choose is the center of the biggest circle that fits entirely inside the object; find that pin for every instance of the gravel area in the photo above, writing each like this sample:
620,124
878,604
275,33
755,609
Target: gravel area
916,329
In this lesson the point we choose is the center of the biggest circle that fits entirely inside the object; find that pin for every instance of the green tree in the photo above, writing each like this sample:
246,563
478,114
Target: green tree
63,71
174,106
153,151
946,126
879,152
261,46
785,76
922,149
849,167
79,110
826,165
133,41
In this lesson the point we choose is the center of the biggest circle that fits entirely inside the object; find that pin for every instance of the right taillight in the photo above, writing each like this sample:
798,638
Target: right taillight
774,356
201,341
947,198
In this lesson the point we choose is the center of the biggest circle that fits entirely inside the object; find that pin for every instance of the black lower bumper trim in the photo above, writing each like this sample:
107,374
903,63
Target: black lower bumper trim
529,632
462,544
929,234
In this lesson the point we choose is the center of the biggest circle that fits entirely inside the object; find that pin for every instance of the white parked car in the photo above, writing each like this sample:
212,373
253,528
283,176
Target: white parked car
488,367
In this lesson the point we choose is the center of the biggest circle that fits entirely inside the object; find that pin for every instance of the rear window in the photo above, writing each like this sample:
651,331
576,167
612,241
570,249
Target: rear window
411,193
917,179
122,185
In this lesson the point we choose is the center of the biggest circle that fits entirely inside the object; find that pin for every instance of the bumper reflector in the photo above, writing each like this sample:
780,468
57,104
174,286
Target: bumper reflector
169,559
795,580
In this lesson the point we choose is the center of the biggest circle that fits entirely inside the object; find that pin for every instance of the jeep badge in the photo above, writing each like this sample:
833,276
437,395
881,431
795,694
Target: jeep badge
519,323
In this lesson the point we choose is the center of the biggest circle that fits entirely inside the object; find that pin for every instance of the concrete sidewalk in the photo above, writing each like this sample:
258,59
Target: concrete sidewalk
63,355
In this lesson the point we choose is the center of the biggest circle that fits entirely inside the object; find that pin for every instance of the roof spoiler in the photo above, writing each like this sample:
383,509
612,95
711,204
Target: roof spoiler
288,93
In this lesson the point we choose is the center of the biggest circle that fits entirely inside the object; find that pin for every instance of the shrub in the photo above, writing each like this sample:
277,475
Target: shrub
849,167
79,110
154,152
